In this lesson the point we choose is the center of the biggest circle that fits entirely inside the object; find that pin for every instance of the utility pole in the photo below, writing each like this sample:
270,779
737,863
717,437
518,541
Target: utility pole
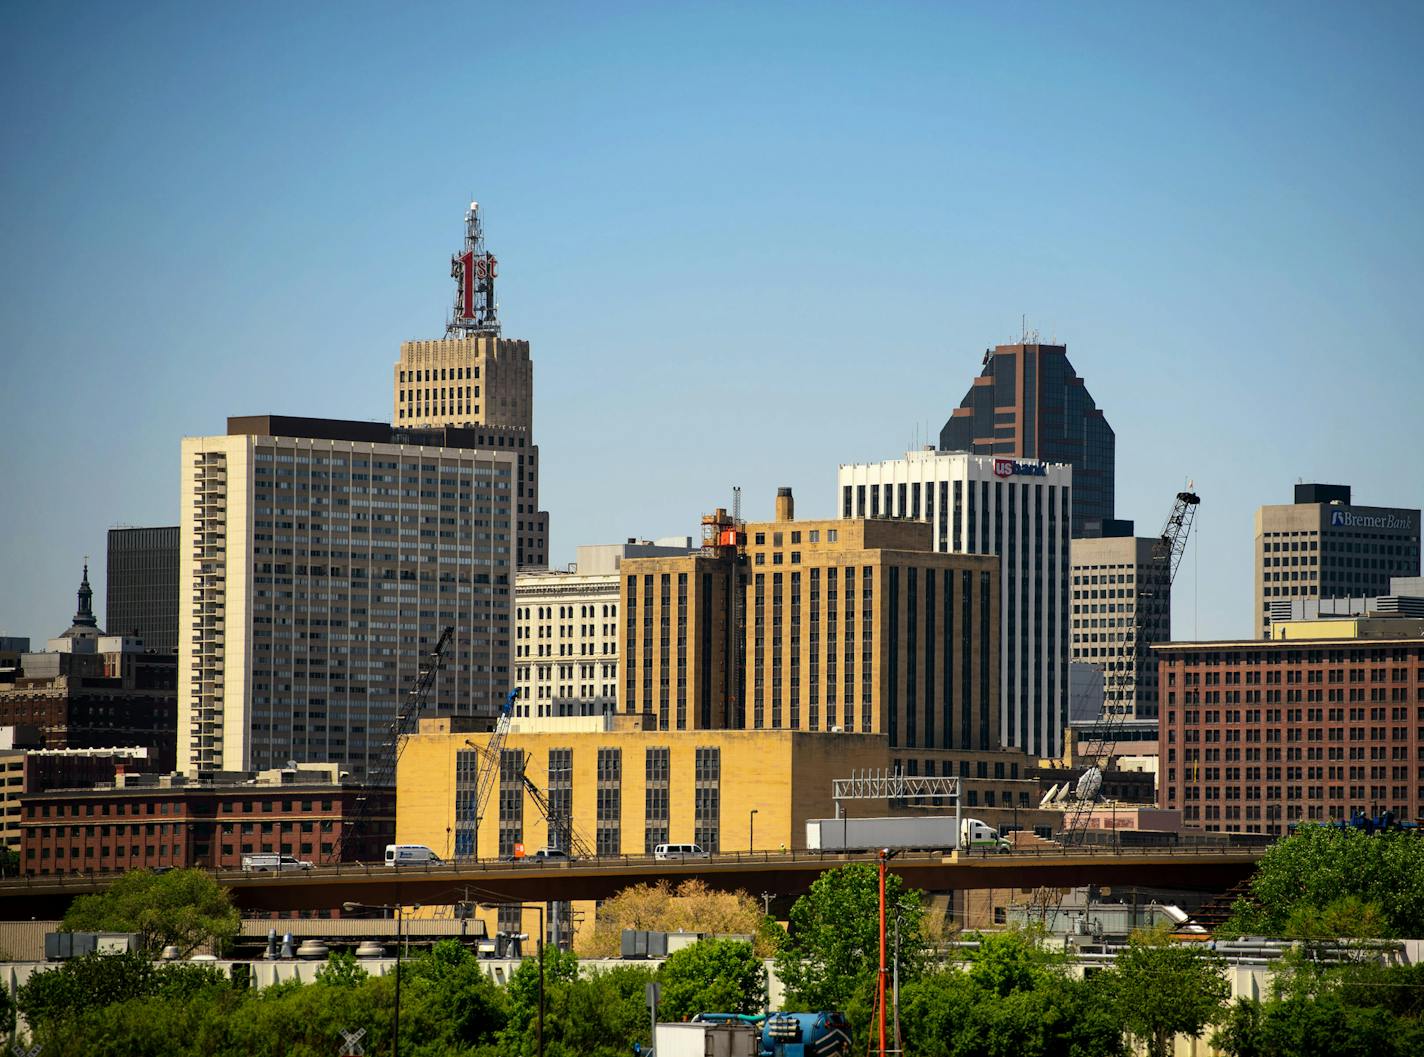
880,979
896,1003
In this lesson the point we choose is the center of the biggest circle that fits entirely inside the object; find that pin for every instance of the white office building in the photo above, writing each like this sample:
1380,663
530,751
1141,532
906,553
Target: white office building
1021,510
320,561
566,630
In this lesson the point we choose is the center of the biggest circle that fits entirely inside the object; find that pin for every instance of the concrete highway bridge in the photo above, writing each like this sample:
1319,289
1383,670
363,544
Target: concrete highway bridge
782,874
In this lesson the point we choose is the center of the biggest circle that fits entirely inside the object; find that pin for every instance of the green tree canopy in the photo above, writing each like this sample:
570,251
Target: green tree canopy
831,954
128,1006
1012,999
712,976
1162,989
56,997
1338,1011
1324,882
182,908
598,1014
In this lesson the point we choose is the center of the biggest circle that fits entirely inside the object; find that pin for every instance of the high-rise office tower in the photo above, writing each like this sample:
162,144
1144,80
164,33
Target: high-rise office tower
142,598
320,561
1016,509
479,381
1029,403
1322,547
1122,602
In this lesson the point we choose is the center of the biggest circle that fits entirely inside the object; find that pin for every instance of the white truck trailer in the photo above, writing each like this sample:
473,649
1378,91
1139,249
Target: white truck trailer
706,1040
902,833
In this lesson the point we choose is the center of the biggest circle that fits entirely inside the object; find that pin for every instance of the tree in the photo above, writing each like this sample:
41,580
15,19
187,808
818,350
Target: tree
596,1015
341,970
722,976
692,907
1321,879
1013,999
831,954
1162,989
54,999
7,1013
457,991
1360,1010
183,908
522,994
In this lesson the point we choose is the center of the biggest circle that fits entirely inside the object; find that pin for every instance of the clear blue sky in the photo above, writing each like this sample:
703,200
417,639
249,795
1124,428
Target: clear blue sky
748,243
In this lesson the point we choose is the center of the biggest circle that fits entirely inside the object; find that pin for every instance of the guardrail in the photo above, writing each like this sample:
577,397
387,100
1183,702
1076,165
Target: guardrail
797,857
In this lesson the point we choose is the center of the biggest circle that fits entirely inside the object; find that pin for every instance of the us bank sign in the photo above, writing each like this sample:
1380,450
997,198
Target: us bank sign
1349,519
1011,468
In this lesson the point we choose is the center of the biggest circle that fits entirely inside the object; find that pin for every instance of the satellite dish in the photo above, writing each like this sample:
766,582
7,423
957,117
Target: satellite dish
1090,783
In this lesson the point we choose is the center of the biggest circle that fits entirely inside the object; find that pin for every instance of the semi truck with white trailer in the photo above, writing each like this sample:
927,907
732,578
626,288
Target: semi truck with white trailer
944,833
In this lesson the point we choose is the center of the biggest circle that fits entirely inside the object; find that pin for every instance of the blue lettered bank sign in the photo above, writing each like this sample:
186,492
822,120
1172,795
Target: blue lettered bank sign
1349,519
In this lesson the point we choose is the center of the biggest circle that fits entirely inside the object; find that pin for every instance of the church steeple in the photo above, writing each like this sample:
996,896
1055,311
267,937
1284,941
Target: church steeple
84,618
85,625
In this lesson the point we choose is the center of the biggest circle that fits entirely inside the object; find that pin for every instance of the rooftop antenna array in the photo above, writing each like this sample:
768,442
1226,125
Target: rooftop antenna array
476,311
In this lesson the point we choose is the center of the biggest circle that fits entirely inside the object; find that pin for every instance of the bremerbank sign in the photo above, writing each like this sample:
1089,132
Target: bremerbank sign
1349,519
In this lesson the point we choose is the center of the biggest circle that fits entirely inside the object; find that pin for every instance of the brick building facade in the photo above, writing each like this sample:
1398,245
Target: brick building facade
97,700
1322,722
145,821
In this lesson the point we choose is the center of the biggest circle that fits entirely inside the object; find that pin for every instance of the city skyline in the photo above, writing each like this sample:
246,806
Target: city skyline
1208,259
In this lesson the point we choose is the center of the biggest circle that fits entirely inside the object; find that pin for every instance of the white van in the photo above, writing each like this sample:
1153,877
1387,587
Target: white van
679,851
267,863
409,854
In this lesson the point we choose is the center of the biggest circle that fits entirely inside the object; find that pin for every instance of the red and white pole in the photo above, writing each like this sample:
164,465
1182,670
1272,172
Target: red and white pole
880,1003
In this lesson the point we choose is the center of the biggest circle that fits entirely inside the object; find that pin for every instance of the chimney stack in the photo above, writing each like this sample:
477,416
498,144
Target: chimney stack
785,505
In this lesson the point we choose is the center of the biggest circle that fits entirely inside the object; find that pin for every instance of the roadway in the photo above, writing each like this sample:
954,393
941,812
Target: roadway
782,874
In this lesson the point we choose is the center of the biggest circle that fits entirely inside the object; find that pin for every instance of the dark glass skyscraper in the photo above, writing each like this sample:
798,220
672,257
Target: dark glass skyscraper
1029,403
142,598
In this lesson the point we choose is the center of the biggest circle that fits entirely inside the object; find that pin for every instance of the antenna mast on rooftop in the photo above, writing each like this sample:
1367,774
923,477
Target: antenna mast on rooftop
476,311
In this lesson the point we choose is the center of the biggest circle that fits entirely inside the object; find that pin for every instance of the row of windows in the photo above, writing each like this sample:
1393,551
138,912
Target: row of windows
439,374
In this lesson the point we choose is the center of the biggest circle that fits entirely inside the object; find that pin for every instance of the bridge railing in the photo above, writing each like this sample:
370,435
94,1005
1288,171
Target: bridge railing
88,878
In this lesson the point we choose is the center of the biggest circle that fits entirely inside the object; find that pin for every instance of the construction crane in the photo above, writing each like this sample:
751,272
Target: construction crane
491,755
1119,694
560,825
1120,685
382,777
562,834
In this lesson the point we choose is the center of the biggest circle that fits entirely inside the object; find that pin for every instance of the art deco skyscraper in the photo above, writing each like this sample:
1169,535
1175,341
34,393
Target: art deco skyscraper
477,380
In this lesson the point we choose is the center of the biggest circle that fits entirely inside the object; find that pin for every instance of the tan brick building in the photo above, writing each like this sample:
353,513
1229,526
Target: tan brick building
627,789
484,386
1321,546
475,379
848,625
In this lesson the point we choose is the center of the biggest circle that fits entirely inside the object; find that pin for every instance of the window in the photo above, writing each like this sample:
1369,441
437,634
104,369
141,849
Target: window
655,803
707,776
608,819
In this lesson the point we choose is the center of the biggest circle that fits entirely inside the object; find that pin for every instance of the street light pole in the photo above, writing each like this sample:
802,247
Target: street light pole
539,907
400,938
751,830
395,1019
540,1038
